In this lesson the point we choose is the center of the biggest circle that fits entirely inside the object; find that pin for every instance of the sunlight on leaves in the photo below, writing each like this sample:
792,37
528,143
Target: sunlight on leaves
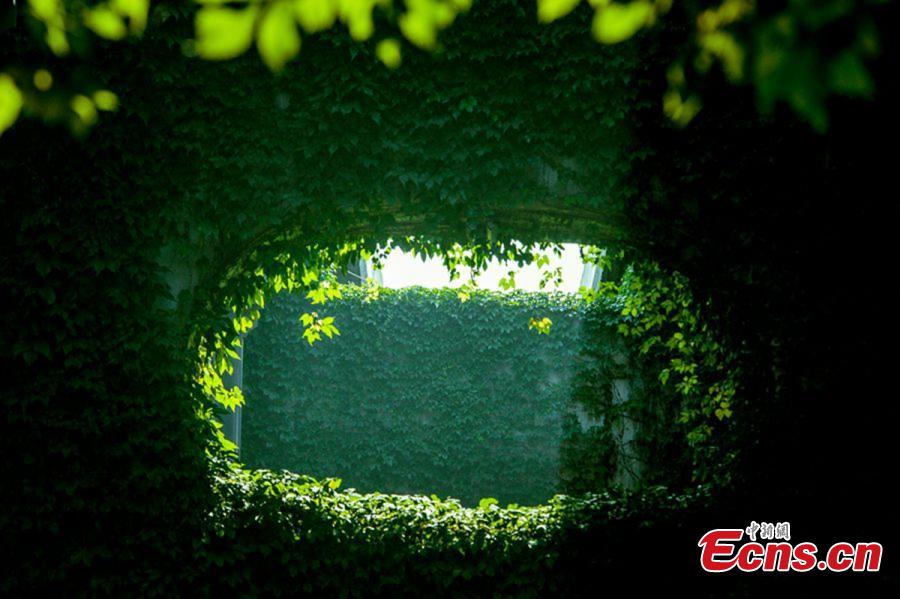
616,23
425,18
85,109
680,110
722,45
550,10
10,102
373,291
326,290
508,282
105,100
103,21
487,503
52,14
316,15
315,327
223,33
730,11
388,52
278,40
542,326
357,15
42,80
135,11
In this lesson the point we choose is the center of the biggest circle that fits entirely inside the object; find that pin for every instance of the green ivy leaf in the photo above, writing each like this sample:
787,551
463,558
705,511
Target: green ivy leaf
550,10
224,33
278,40
486,503
10,102
105,22
614,23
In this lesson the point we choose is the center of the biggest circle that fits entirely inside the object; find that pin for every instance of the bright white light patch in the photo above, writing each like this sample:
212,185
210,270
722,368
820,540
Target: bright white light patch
405,270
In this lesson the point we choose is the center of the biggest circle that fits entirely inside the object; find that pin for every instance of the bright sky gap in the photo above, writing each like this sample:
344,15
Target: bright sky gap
401,269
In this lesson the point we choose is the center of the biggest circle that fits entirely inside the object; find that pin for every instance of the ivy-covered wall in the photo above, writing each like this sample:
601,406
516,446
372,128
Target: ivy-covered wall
107,488
420,393
122,249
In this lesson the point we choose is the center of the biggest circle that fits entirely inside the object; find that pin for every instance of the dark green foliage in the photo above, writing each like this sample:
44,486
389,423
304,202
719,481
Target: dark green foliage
120,252
421,392
123,250
99,425
289,534
587,456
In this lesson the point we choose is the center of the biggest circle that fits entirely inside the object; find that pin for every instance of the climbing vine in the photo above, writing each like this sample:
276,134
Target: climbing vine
422,392
659,312
139,251
747,42
695,383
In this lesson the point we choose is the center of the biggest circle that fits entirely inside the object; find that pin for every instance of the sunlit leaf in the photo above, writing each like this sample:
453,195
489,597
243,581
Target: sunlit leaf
419,29
316,15
223,33
615,23
278,40
105,22
57,40
135,10
681,111
45,10
388,52
542,326
85,109
487,503
723,46
10,102
52,14
42,79
550,10
357,14
105,100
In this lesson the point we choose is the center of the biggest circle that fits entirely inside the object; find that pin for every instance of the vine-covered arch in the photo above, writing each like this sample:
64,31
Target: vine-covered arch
511,124
505,140
205,164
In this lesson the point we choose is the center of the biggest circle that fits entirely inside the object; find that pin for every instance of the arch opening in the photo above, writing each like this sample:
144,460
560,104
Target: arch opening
604,411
